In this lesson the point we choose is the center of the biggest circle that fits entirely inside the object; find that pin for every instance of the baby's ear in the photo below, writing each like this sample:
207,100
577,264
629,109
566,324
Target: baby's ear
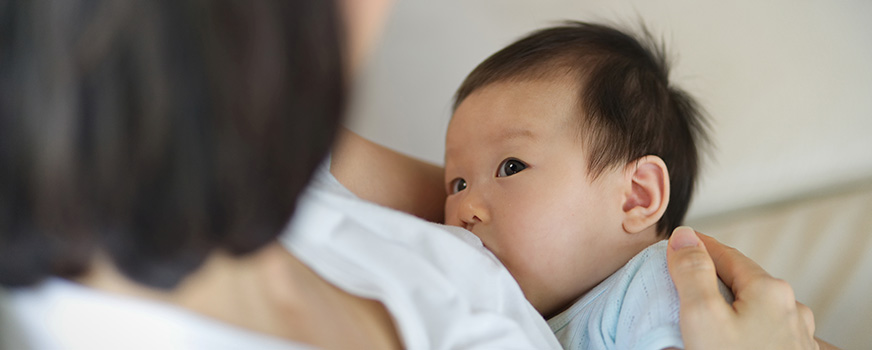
646,193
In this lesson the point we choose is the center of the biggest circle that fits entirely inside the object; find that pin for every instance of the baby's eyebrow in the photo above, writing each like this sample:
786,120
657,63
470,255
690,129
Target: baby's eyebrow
508,134
514,133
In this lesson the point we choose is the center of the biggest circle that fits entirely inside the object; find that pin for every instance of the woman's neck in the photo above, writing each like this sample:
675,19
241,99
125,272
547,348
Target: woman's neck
270,292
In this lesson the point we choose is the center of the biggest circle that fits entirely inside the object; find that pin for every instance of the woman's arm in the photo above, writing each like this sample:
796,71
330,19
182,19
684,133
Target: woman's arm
764,315
381,175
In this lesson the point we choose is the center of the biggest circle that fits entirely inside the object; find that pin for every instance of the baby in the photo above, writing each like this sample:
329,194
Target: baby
571,155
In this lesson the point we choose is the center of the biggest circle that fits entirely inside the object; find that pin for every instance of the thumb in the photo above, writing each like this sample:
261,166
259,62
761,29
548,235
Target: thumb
694,275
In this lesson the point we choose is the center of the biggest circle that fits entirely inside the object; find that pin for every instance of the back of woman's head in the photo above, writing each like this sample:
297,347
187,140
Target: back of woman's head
156,132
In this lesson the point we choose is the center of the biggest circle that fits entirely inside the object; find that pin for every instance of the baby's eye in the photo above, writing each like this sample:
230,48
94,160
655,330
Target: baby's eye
510,166
458,185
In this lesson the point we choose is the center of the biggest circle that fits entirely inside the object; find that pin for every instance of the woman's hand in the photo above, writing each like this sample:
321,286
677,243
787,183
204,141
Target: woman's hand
765,314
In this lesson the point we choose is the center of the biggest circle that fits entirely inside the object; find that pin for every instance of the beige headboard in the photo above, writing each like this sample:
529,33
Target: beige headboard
822,244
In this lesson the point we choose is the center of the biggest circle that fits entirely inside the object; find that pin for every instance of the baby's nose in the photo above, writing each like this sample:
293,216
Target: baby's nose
472,212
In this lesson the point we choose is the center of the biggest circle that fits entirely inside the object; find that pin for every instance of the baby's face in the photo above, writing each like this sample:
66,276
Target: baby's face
516,176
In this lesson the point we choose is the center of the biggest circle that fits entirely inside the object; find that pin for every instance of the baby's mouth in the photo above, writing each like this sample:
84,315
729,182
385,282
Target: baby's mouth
469,228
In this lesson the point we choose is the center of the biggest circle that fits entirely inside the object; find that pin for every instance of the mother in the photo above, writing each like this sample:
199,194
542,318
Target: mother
152,151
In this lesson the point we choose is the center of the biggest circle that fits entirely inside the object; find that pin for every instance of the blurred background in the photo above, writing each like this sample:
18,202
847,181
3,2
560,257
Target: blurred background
788,87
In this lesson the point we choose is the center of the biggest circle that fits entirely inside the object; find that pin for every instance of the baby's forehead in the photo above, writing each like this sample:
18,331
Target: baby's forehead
512,134
513,107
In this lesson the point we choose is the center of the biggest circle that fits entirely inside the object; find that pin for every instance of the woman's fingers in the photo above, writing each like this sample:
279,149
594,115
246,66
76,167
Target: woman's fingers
691,267
807,316
752,286
735,269
695,278
765,313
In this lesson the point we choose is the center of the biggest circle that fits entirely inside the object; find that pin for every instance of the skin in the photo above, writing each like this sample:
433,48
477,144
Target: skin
416,186
269,292
558,230
364,21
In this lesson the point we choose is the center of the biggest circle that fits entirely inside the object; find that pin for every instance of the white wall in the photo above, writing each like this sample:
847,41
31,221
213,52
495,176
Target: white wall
788,83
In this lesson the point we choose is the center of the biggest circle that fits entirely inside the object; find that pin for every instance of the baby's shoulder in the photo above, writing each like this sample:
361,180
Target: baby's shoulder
635,305
648,271
650,263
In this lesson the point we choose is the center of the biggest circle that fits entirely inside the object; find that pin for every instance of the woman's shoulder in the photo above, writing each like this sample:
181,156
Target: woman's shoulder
59,314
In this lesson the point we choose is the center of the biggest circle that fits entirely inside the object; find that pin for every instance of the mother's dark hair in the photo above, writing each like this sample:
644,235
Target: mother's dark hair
156,132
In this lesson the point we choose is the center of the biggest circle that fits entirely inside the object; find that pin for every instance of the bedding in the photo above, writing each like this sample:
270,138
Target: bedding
821,244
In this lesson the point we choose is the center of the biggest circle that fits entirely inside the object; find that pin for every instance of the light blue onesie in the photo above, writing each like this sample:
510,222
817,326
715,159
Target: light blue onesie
634,308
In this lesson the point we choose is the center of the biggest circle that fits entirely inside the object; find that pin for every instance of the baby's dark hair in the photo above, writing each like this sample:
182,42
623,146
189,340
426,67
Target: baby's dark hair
630,108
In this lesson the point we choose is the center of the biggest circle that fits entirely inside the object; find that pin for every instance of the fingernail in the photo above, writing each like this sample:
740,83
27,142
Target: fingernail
682,237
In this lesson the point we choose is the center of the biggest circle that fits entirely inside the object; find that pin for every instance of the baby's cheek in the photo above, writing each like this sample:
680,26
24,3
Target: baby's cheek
450,216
